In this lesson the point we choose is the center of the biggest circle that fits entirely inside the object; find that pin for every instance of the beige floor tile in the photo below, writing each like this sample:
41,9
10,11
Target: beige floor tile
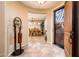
37,47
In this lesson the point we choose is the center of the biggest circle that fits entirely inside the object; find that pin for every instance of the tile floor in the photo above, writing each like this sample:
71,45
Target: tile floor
37,47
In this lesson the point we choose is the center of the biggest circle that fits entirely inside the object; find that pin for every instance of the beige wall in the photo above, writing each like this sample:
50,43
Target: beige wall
12,10
2,34
49,27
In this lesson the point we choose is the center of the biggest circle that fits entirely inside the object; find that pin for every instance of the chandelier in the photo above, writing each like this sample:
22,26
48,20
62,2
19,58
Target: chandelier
41,2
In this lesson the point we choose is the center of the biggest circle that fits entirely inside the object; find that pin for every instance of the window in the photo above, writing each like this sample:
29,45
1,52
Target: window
59,16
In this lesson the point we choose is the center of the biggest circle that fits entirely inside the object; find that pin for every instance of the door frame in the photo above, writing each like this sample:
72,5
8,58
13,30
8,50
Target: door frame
61,7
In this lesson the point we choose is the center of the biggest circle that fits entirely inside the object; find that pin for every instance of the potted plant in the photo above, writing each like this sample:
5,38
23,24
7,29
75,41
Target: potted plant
42,27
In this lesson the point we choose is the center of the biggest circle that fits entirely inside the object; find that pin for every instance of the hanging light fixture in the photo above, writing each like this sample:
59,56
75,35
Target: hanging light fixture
41,2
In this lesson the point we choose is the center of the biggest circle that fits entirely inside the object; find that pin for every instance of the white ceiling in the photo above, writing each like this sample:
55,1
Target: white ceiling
47,5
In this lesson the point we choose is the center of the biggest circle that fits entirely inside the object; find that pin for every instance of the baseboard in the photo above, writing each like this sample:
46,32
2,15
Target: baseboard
50,43
10,54
1,55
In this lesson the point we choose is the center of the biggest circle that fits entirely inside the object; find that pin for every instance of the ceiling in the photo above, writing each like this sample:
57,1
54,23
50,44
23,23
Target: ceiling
46,5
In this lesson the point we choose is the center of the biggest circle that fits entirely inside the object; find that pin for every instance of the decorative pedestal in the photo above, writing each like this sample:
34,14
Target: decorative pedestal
17,52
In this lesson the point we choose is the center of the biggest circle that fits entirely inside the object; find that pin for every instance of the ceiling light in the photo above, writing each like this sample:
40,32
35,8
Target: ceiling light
41,2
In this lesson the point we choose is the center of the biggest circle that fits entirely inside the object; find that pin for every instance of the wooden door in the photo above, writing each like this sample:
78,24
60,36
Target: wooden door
68,30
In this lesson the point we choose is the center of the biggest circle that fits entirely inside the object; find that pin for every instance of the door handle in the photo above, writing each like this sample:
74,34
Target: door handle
71,37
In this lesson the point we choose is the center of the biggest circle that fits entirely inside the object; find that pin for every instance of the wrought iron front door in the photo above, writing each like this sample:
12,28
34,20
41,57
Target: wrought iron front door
59,27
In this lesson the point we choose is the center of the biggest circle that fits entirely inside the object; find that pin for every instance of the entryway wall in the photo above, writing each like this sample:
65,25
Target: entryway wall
12,10
2,29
